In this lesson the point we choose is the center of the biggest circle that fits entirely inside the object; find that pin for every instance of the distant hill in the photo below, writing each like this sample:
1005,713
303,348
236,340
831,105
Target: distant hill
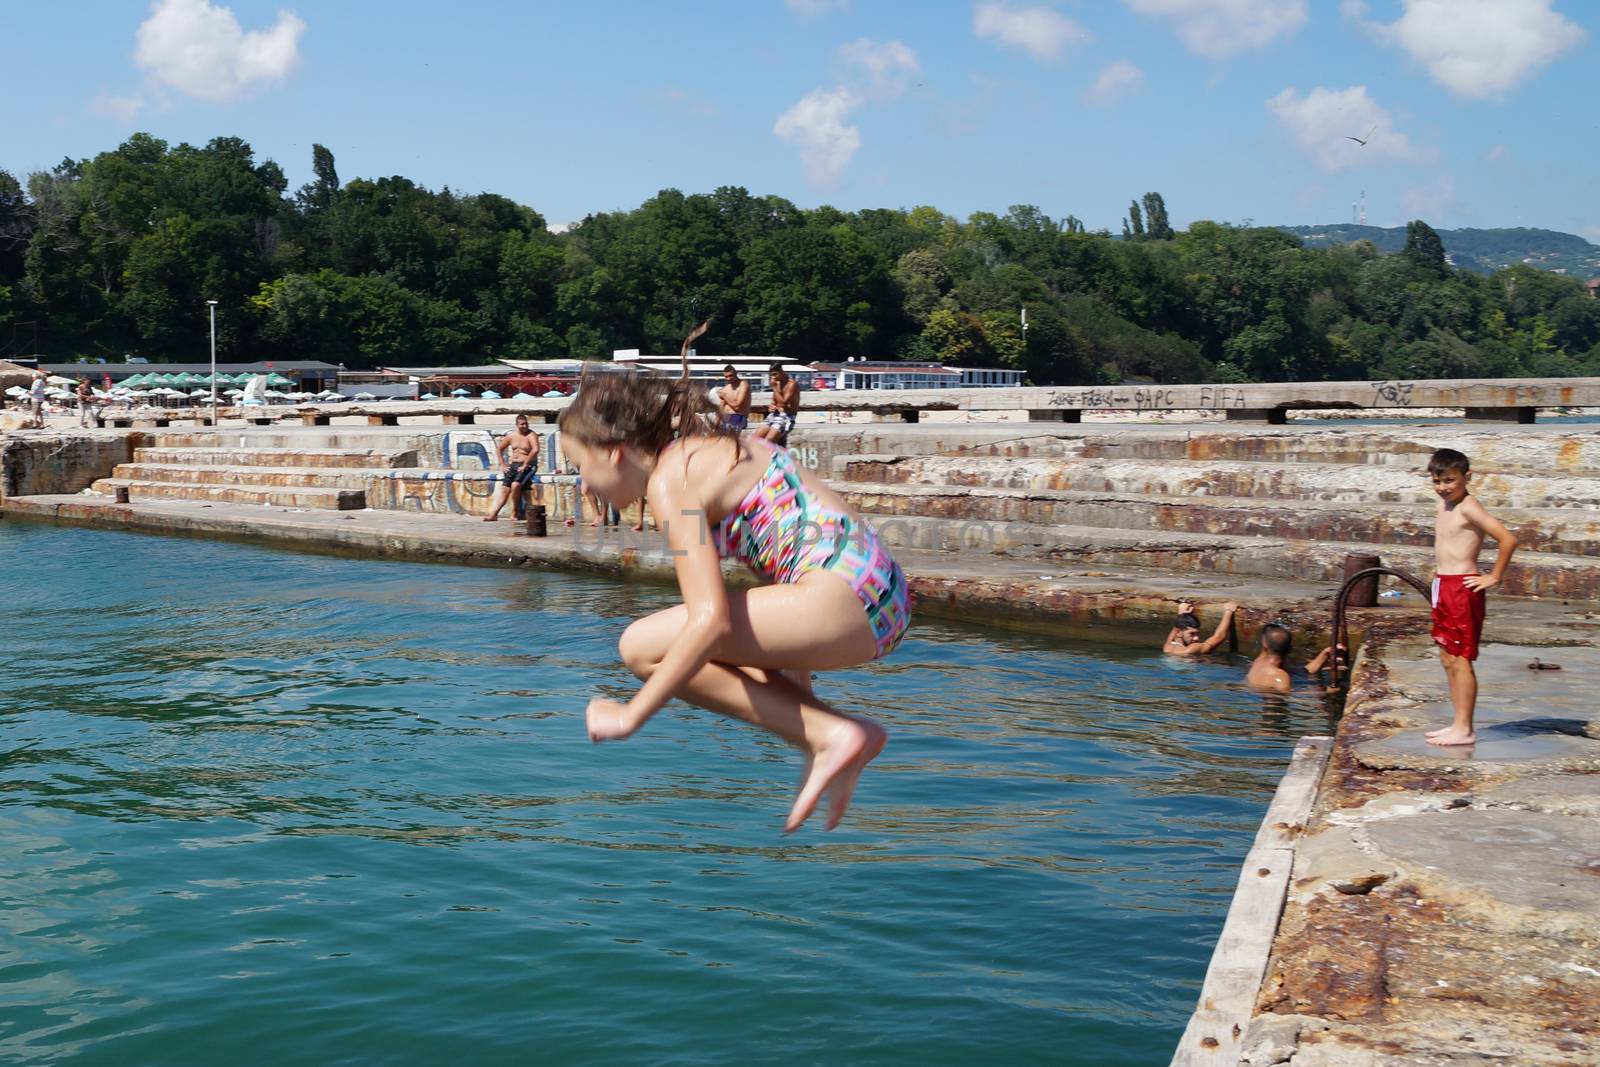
1483,251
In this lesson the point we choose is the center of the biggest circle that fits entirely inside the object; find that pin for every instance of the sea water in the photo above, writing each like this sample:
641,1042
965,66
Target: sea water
261,807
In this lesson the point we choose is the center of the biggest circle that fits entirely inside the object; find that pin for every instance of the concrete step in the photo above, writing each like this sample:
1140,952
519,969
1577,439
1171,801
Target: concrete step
1569,531
1528,450
278,457
256,477
1218,478
330,499
1531,574
1576,453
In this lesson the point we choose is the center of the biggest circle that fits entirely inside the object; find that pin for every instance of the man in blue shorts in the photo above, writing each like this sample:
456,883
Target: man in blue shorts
519,466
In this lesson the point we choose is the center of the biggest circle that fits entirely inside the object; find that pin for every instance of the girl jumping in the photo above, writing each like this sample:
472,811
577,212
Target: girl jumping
835,598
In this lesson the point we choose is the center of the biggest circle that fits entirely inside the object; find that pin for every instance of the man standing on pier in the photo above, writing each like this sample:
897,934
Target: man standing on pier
734,399
521,470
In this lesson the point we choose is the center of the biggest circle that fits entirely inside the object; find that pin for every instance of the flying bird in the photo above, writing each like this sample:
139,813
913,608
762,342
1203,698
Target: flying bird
1362,141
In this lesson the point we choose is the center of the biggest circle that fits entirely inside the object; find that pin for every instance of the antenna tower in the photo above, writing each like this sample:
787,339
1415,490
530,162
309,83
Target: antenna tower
1361,216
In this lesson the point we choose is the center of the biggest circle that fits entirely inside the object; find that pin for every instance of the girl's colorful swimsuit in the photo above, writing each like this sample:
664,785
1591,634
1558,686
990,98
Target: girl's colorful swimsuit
781,532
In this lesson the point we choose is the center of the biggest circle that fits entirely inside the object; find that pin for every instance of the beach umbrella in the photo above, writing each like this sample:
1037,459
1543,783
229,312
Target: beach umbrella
424,396
489,394
278,379
59,379
555,392
366,396
461,392
199,392
132,380
16,390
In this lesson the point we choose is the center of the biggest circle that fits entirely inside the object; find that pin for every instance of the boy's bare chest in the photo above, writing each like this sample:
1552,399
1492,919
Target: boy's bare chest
1451,526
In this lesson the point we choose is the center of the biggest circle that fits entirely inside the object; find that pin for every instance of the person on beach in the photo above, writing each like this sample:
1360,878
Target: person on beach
1184,638
734,399
1459,527
518,471
784,410
36,391
85,394
743,653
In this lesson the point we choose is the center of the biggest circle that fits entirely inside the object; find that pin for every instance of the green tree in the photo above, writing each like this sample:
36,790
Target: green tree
1424,250
1157,228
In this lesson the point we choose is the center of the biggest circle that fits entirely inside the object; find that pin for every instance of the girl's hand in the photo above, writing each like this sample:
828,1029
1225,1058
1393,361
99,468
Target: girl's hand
609,721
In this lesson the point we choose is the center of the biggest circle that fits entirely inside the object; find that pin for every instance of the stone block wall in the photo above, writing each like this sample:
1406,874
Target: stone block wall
42,462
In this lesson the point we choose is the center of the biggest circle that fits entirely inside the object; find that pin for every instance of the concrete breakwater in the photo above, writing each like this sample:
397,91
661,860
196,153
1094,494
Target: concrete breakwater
1413,871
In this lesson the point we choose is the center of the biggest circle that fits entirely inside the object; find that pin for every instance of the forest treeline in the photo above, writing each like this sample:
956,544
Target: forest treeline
115,255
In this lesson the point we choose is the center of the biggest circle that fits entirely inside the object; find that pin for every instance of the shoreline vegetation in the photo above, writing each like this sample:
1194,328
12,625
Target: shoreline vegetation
116,255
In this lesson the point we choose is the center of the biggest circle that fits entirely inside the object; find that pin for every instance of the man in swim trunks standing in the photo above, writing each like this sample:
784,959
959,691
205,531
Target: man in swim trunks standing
734,399
522,469
1460,525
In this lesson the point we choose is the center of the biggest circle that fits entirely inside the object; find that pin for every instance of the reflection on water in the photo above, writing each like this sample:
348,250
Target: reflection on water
337,810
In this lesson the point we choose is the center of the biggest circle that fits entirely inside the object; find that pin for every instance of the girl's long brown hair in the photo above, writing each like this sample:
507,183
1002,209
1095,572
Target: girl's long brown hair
615,406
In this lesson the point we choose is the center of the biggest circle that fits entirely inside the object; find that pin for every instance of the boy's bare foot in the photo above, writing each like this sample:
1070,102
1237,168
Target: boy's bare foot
834,767
570,521
491,518
638,526
1450,735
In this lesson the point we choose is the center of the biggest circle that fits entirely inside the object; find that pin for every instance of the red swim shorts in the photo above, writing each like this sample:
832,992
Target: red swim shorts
1457,615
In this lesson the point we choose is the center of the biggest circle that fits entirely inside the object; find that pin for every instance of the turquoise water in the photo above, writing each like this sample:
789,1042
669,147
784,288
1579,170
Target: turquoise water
286,809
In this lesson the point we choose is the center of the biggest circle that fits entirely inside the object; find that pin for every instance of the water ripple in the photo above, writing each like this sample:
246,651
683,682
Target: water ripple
343,811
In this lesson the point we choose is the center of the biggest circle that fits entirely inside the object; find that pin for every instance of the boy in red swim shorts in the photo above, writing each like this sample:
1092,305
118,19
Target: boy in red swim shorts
1459,527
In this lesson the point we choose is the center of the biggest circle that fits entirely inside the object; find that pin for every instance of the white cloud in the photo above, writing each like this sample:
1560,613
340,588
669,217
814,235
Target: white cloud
1308,195
812,8
1498,154
1042,32
1116,81
1218,29
1435,199
1322,123
817,126
201,51
1480,49
120,108
1590,231
882,71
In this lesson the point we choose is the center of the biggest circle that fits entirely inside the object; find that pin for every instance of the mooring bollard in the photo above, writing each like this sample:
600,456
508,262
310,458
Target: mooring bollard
536,521
1364,593
122,494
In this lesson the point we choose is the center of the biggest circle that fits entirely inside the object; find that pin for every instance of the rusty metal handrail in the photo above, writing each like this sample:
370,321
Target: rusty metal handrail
1341,625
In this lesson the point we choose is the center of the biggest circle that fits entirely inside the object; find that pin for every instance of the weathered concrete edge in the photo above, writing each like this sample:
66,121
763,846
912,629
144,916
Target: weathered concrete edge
1104,610
1238,966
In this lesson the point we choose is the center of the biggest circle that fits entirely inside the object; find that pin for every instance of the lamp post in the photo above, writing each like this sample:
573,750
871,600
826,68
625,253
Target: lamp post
212,306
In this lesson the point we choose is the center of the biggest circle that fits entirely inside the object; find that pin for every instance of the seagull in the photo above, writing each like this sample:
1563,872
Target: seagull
1362,141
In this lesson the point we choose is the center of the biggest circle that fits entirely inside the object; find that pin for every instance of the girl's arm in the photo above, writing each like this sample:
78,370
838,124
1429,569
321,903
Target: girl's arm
704,594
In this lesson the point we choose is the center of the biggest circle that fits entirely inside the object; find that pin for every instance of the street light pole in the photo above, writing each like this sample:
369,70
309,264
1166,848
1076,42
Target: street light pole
212,304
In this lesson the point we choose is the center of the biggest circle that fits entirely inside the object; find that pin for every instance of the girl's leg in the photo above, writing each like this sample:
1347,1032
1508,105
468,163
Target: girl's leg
746,678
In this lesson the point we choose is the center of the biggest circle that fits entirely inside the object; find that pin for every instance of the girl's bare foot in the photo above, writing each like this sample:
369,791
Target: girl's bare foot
834,767
490,518
1452,736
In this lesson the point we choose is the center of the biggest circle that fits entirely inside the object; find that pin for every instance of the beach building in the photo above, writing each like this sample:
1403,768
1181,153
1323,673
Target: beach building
894,374
310,376
708,369
534,377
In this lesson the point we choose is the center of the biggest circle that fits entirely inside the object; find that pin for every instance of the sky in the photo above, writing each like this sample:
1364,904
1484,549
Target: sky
1474,112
